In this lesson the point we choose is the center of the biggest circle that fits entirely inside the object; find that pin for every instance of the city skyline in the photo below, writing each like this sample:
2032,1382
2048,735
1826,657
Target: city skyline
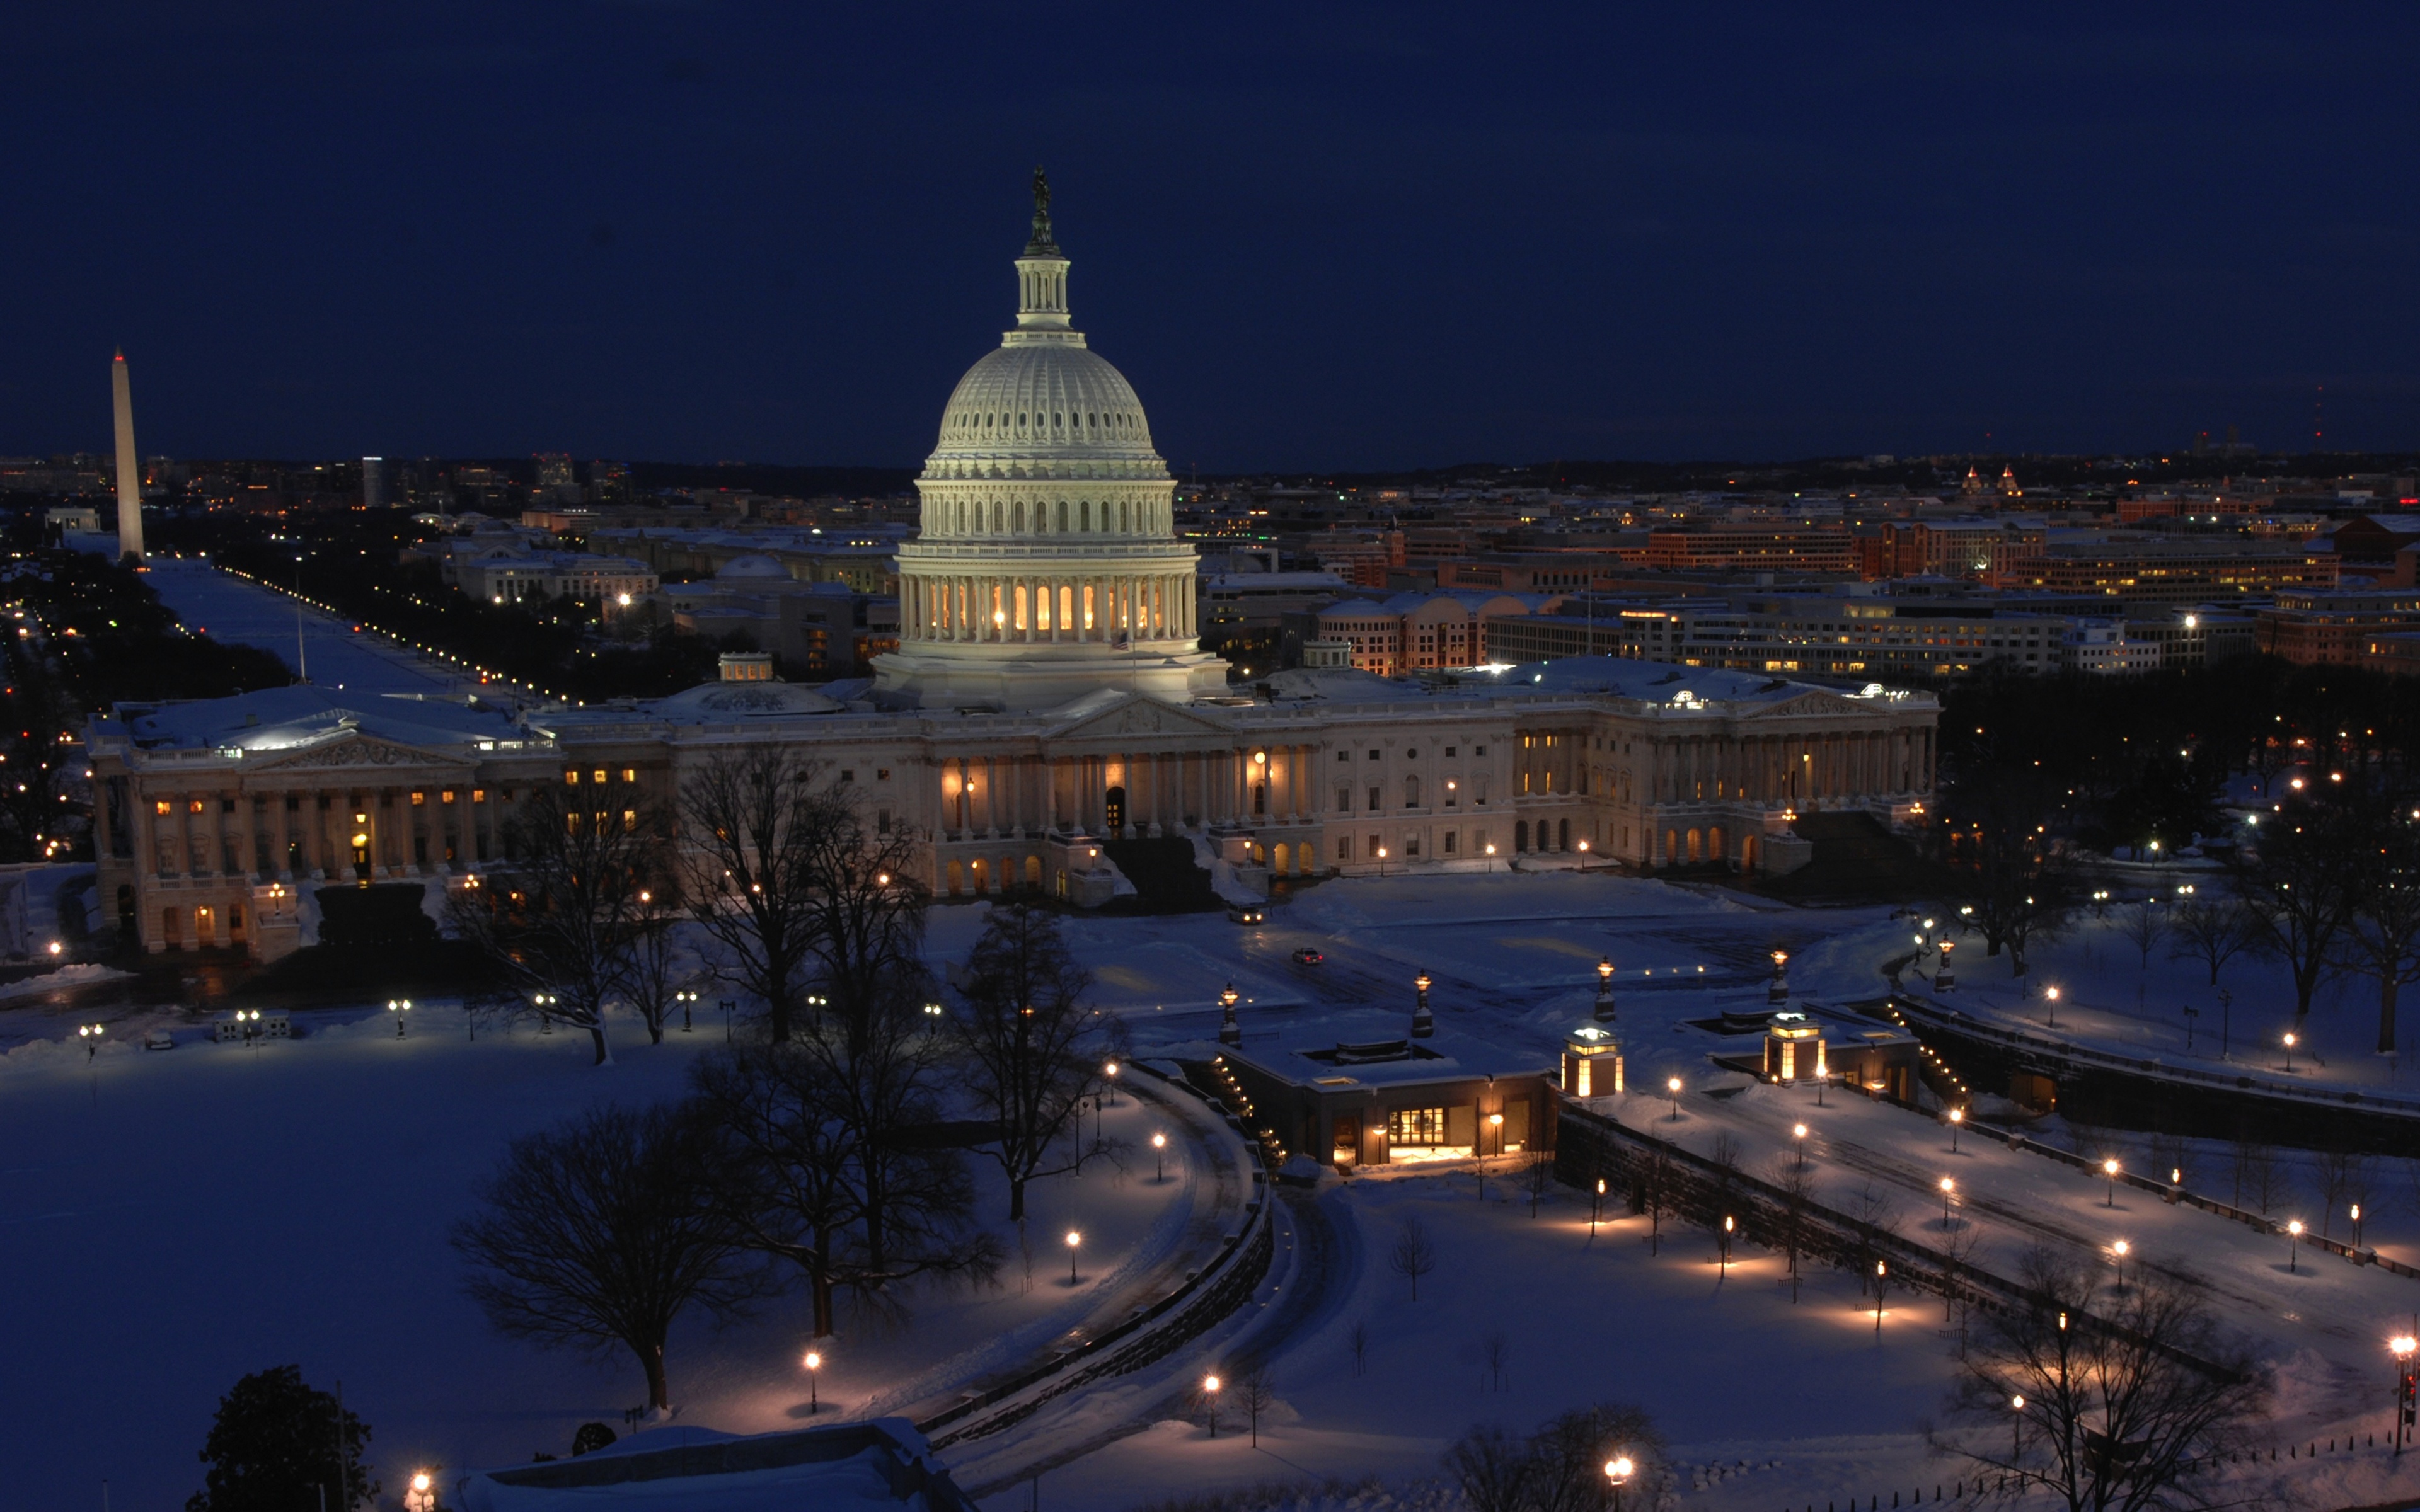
701,236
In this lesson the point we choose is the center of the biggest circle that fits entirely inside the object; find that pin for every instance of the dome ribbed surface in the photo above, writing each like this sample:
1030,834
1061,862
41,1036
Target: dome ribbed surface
1056,402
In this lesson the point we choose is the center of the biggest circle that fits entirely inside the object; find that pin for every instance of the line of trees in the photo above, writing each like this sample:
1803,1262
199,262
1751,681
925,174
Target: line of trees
824,1147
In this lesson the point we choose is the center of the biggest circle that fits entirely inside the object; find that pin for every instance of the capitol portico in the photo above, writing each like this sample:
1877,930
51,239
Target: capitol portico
1049,700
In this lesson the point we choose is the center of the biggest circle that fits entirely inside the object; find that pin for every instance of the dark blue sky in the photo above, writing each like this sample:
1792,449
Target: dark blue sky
1313,236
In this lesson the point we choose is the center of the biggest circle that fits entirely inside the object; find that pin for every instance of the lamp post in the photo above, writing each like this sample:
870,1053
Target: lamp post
815,1362
1381,860
1596,1206
542,1001
1159,1156
2290,1055
1110,1071
1777,991
2016,1427
1729,1225
2293,1243
2402,1347
1210,1400
2226,1016
1617,1471
1948,1187
686,998
1583,849
1491,855
1230,1032
2118,1252
1673,1087
2356,1225
1074,1242
1605,1013
2052,992
2109,1171
1423,1023
90,1034
1956,1117
1882,1270
1945,980
1798,1141
398,1007
727,1006
423,1495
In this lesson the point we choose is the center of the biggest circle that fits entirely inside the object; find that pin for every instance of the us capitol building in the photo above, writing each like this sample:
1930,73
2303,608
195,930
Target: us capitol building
1049,696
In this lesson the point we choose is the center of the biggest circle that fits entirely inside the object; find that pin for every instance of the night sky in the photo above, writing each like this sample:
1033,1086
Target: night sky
1314,237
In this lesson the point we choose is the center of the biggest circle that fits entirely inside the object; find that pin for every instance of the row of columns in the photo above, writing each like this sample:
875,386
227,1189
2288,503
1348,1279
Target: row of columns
1790,768
1049,610
1059,516
182,842
1002,794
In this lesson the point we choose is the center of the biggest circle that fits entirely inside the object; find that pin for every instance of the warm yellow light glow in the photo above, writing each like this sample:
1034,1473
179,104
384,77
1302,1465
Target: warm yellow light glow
1618,1468
1074,1238
814,1361
1209,1383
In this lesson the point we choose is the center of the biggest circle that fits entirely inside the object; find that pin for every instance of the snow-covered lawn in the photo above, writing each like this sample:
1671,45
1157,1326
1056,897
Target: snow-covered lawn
177,1219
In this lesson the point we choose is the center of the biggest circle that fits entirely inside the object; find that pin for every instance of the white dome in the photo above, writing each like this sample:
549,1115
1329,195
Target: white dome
1024,403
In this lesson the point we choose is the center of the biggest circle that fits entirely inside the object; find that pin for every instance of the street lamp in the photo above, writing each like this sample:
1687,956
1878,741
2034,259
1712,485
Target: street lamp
1956,1117
423,1495
90,1035
1617,1470
1947,1186
2290,1055
1605,991
1074,1242
686,998
1423,1023
1798,1139
1596,1206
2016,1427
814,1362
2294,1243
398,1007
2052,992
1159,1156
1583,848
2356,1225
1673,1087
1210,1398
1491,855
1381,860
2119,1253
1230,1032
1881,1271
1729,1227
1777,991
2402,1347
1110,1071
2109,1170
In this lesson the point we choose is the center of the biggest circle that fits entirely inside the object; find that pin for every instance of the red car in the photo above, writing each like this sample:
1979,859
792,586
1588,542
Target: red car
1308,957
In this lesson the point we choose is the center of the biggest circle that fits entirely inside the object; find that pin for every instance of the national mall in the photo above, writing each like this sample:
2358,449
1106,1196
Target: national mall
1048,694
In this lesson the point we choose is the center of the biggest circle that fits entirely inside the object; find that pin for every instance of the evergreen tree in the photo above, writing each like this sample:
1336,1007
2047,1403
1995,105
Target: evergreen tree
273,1440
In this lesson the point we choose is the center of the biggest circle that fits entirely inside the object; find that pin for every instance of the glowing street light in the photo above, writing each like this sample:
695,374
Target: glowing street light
423,1495
1110,1071
2016,1427
1605,1013
2109,1170
2119,1253
1618,1470
1798,1141
1956,1117
1948,1187
1882,1270
814,1362
2356,1225
1159,1155
1729,1227
90,1034
2052,992
1673,1087
2402,1347
686,998
398,1007
2290,1053
2293,1242
1074,1242
1210,1400
1596,1206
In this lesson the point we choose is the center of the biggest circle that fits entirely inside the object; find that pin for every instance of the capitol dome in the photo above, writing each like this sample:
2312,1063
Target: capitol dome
1046,564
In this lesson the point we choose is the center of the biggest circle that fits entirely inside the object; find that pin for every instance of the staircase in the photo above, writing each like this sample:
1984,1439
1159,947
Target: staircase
1165,879
1856,858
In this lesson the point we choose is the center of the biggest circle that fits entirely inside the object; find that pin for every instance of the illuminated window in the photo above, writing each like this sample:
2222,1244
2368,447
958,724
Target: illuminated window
479,794
446,796
571,778
1415,1126
598,776
194,806
630,820
418,797
629,774
160,807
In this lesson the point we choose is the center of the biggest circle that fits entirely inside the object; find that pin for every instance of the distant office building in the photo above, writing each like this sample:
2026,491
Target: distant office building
2177,572
2334,629
2102,647
1781,547
373,482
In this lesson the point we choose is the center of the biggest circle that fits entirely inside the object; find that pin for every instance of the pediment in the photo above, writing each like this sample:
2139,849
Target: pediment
353,749
1139,714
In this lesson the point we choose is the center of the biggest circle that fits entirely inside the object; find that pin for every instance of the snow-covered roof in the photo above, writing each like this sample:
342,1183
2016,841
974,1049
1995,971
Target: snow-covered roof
279,719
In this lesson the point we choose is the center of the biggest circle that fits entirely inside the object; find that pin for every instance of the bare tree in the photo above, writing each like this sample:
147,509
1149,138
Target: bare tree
1495,1352
2260,1174
1256,1393
2117,1409
2298,887
1568,1456
1493,1469
1657,1191
654,965
1957,1246
594,1234
1538,1177
750,821
2382,934
1796,1179
1413,1255
1877,1221
555,922
2143,925
777,1161
2212,931
1027,1039
2345,1179
1357,1340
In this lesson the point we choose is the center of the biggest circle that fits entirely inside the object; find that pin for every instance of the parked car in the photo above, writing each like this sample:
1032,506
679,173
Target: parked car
1245,914
1308,957
159,1040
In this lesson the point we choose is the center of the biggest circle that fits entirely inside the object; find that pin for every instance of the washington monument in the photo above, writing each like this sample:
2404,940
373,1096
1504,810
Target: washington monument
130,468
